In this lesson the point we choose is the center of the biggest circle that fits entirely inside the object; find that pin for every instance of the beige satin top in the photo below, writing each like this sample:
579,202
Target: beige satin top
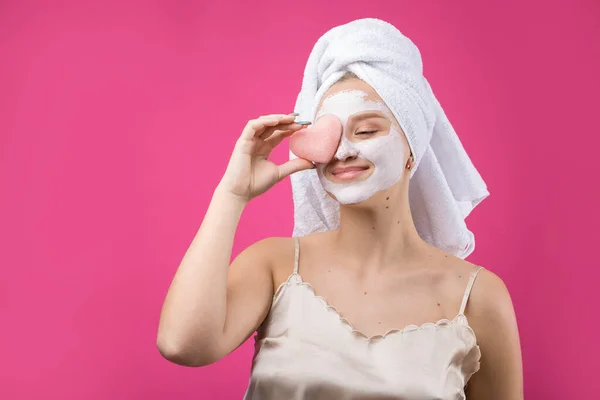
306,350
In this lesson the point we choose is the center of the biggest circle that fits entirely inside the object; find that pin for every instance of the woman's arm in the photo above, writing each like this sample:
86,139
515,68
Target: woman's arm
212,307
492,317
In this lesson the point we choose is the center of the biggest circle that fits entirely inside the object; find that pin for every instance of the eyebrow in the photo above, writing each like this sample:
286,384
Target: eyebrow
366,115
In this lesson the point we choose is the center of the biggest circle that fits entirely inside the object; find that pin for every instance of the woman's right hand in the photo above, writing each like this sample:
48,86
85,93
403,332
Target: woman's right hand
249,172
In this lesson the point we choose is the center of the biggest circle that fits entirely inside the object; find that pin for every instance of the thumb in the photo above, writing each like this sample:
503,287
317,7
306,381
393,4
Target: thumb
295,165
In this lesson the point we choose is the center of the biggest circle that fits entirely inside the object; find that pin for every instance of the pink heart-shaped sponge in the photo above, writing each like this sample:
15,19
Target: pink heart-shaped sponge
319,142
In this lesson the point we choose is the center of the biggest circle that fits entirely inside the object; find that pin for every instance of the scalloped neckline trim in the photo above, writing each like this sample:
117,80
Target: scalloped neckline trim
408,328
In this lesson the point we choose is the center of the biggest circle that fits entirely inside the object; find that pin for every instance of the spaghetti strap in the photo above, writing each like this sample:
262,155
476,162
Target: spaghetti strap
468,291
296,254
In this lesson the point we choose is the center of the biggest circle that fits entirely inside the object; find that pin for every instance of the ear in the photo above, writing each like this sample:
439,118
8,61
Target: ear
411,162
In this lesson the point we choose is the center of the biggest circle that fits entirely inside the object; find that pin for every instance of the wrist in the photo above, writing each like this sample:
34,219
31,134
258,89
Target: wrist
223,196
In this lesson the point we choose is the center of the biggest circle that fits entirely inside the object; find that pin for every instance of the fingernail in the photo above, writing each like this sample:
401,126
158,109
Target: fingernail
303,122
294,114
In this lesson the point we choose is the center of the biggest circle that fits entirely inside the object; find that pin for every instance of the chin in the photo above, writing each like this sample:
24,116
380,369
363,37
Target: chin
353,202
371,200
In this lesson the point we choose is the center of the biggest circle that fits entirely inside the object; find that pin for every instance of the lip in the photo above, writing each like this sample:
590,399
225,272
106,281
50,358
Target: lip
348,173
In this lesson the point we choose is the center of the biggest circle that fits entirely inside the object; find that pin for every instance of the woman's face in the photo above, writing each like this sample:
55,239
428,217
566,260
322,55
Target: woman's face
373,150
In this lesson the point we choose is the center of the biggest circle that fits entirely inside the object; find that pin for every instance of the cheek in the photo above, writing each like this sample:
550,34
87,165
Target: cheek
385,151
372,149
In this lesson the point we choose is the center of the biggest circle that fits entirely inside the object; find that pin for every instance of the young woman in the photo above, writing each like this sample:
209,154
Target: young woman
371,306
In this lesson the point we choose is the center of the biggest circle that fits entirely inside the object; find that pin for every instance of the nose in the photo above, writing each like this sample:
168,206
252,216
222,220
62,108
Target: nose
346,151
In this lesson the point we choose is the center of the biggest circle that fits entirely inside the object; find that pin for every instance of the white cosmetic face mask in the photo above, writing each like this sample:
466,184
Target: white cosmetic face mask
386,153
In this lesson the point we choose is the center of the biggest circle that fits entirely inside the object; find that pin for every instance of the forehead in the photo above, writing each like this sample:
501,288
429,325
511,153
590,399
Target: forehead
337,90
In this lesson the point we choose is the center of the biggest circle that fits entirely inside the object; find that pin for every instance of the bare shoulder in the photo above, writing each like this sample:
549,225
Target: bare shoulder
275,253
270,248
453,272
490,298
488,288
265,254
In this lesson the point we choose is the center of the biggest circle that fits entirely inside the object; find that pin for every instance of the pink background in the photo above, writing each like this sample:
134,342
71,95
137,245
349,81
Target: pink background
117,120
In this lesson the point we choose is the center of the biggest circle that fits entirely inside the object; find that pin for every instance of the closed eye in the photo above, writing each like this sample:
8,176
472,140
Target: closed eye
366,132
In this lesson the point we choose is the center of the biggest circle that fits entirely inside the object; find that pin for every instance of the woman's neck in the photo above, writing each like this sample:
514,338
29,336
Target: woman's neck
380,233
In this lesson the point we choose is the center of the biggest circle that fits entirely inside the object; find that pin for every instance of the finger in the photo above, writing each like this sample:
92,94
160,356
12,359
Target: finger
257,126
284,121
277,137
287,117
293,166
282,127
296,125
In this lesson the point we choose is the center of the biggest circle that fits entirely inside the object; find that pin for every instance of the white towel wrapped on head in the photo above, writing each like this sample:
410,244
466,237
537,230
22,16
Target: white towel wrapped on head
444,185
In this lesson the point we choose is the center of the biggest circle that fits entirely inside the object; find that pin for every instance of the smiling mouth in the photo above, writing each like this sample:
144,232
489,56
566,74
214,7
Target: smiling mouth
348,173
